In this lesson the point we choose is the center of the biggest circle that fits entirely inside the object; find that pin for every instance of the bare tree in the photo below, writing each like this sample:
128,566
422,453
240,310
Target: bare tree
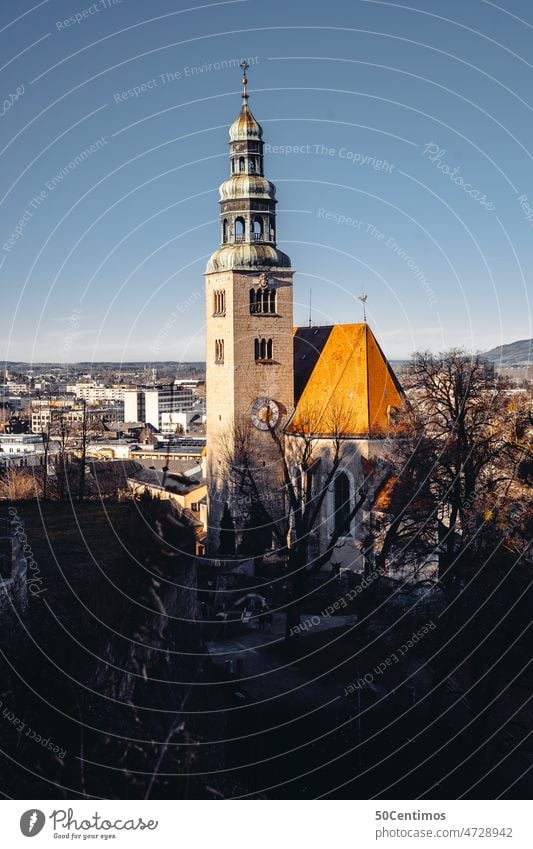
82,441
461,458
402,525
61,428
46,435
287,499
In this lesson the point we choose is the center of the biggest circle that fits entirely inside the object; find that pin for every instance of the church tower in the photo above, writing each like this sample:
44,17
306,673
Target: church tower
249,324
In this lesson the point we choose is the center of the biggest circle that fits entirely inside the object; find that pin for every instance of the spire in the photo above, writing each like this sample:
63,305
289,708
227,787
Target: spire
244,66
245,127
247,200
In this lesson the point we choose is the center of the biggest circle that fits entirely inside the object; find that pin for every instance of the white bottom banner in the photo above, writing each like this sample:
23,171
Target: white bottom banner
262,825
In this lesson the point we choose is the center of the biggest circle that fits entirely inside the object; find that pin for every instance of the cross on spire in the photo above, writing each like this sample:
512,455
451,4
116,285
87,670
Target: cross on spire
244,66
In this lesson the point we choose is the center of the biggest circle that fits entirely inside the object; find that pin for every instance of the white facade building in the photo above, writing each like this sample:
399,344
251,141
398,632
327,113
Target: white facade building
95,392
21,449
156,405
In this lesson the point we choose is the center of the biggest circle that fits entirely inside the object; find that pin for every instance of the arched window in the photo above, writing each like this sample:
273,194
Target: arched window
341,500
219,302
263,349
225,230
242,167
233,166
219,350
263,301
257,229
239,229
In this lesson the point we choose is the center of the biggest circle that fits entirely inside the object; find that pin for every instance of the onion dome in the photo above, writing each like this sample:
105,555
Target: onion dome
247,185
247,257
247,202
245,126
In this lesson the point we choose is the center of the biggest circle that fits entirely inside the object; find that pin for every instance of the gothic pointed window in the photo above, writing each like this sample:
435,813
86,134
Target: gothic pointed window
253,305
265,300
262,349
242,166
256,349
272,300
219,350
225,230
269,349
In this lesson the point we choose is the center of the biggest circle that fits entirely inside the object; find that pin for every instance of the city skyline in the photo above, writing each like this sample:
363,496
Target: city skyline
404,181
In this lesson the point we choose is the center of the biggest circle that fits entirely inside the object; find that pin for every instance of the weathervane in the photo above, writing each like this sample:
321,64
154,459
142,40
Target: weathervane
363,298
244,66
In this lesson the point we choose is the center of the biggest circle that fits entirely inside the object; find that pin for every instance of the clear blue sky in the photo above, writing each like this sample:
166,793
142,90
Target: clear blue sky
108,262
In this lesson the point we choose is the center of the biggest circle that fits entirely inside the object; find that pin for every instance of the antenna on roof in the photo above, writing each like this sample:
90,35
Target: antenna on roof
363,298
310,319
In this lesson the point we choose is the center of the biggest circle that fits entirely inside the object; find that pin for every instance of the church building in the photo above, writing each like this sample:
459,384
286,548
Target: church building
262,371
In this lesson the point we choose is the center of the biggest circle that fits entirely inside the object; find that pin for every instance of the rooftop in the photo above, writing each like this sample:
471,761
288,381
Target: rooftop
343,382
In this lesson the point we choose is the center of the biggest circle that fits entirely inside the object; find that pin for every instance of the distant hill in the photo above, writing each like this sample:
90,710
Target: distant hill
516,354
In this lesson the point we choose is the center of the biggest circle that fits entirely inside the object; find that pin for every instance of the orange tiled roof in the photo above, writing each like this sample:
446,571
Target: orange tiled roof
343,381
